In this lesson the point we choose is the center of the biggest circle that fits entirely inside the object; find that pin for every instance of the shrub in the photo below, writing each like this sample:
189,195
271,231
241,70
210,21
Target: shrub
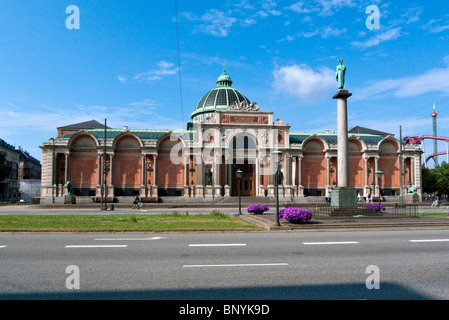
257,208
374,207
295,215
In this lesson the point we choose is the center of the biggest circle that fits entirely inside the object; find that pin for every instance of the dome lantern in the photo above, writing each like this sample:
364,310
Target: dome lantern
219,98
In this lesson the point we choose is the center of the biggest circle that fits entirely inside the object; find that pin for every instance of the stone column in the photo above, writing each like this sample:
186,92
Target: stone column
288,175
142,176
217,174
186,176
417,175
271,171
376,182
366,187
154,189
99,173
199,176
111,176
66,173
299,171
328,177
343,196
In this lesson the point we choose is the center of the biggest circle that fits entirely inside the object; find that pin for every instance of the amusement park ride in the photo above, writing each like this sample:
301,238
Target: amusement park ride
420,141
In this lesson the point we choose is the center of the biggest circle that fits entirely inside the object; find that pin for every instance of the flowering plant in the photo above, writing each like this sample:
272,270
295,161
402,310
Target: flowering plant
295,215
257,208
374,207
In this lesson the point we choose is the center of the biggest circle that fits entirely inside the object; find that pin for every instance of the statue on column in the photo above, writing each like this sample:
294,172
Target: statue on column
340,75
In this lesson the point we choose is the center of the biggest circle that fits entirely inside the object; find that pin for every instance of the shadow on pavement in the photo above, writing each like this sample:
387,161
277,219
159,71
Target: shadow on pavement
387,291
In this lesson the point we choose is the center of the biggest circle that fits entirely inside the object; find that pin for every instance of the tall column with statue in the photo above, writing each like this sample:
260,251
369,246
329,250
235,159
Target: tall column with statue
343,196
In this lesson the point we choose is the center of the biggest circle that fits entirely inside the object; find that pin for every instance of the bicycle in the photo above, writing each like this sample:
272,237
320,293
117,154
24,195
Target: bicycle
138,205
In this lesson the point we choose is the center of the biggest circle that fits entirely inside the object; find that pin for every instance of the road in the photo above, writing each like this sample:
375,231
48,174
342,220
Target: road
226,265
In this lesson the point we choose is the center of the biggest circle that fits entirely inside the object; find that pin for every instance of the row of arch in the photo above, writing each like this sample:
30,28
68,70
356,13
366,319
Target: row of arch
131,169
129,140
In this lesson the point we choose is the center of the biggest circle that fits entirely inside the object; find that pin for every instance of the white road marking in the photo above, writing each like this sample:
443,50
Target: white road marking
341,242
430,240
132,239
3,246
97,246
234,265
218,245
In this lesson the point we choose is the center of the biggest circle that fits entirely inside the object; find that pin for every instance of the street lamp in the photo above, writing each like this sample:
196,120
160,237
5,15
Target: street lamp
239,174
276,155
379,177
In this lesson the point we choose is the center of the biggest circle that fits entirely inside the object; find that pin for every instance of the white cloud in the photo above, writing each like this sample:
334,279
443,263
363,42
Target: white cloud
446,60
213,22
164,69
122,79
440,29
388,35
435,80
303,82
324,33
324,7
301,7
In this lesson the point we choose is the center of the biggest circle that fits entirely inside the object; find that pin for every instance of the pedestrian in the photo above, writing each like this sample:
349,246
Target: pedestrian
368,198
136,202
359,197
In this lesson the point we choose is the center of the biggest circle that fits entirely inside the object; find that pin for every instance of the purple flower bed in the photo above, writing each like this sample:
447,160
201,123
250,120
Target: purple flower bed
257,208
295,215
374,207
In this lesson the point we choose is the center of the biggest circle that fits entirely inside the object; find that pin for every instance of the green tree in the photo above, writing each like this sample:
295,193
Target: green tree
429,180
442,178
5,172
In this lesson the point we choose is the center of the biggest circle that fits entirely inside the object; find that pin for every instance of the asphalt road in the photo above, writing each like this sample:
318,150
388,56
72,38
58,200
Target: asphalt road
226,266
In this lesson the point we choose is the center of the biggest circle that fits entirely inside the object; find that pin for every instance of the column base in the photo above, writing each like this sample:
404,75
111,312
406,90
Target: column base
344,198
227,191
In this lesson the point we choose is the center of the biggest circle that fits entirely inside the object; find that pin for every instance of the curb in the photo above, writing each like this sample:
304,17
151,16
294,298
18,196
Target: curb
268,225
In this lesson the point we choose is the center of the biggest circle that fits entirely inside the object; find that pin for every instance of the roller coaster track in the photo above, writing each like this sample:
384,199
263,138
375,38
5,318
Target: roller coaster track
435,155
419,140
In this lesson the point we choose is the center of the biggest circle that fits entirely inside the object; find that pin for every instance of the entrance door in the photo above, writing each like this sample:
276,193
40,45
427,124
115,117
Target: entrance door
247,187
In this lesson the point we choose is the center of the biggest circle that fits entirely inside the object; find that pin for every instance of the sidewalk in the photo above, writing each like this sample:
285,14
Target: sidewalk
267,222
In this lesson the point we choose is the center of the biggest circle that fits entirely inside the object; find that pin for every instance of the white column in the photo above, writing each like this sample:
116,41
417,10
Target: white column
300,186
154,189
186,176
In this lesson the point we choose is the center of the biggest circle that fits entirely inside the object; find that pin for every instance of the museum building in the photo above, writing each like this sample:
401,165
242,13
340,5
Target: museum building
227,132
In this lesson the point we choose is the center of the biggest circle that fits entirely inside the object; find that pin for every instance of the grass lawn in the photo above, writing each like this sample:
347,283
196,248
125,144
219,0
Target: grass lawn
433,214
123,223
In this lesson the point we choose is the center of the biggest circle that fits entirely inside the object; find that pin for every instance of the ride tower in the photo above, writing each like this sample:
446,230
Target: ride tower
435,142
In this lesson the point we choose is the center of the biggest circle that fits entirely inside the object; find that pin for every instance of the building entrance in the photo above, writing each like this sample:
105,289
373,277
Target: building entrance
248,180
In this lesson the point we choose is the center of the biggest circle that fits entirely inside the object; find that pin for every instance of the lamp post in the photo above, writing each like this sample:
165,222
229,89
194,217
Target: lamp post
277,154
379,177
104,192
239,174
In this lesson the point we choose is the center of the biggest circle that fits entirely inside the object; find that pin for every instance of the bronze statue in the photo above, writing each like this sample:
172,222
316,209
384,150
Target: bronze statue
208,177
70,191
340,75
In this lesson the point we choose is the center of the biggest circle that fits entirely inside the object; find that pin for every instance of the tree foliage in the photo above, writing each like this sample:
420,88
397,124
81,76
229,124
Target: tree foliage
436,180
5,172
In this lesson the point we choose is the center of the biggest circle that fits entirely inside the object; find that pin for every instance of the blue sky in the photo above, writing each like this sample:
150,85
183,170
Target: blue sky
123,63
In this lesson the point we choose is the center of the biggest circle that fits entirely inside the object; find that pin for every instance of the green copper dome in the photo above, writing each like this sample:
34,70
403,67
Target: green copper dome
219,98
